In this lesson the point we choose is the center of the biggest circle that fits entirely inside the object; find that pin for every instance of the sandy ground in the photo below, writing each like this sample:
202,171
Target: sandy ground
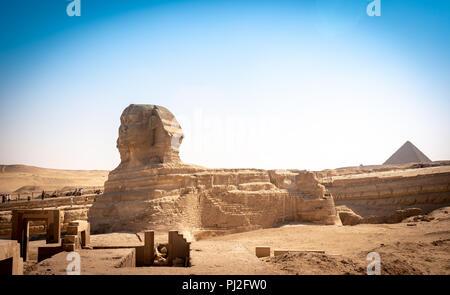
411,247
29,178
405,248
206,258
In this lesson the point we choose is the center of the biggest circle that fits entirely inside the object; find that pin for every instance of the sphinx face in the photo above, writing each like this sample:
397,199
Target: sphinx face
144,138
133,129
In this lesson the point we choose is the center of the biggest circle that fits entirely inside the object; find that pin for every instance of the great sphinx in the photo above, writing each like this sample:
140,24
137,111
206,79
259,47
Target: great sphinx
152,188
149,136
148,143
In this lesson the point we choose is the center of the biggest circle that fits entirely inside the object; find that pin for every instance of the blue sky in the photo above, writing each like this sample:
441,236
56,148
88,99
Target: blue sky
263,84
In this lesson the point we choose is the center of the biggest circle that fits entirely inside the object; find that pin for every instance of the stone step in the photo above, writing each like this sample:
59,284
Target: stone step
70,239
233,208
256,186
72,230
69,247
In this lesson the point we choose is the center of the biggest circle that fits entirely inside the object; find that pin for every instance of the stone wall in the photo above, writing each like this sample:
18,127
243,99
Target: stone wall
78,211
384,194
198,198
313,202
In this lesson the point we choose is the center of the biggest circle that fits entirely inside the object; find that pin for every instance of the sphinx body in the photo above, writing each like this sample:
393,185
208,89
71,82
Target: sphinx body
153,189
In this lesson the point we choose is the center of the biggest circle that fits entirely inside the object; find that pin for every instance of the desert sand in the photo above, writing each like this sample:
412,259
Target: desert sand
26,179
410,247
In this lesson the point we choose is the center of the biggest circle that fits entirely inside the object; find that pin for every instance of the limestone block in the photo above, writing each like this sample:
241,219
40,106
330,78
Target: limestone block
72,230
70,239
81,224
347,216
262,251
69,247
277,252
10,251
149,247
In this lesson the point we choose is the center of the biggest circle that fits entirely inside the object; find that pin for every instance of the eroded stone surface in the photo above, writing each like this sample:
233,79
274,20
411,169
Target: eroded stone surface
148,135
153,189
378,196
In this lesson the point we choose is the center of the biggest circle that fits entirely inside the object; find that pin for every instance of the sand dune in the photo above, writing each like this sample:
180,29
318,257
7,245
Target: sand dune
23,178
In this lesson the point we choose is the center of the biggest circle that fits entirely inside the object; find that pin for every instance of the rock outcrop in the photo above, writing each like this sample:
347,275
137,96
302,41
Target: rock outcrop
153,189
379,196
348,217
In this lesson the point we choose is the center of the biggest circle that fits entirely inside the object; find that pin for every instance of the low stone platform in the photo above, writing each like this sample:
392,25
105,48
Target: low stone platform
207,257
91,262
116,240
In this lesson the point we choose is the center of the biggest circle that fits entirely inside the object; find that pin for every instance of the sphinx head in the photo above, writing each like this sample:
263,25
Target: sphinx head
146,136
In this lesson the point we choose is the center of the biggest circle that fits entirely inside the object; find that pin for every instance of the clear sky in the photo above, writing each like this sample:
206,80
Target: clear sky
256,84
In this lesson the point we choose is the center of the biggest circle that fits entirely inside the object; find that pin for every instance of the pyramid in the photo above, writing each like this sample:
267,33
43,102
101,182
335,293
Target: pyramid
407,153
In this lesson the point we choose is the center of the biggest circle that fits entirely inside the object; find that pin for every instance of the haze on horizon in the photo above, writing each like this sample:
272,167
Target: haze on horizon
260,84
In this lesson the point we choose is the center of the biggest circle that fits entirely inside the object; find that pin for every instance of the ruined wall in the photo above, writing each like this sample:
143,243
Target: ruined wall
244,198
313,202
178,250
381,195
78,211
210,199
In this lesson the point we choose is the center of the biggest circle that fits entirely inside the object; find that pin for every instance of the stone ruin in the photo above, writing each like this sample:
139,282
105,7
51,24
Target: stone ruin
13,253
152,189
77,234
21,220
